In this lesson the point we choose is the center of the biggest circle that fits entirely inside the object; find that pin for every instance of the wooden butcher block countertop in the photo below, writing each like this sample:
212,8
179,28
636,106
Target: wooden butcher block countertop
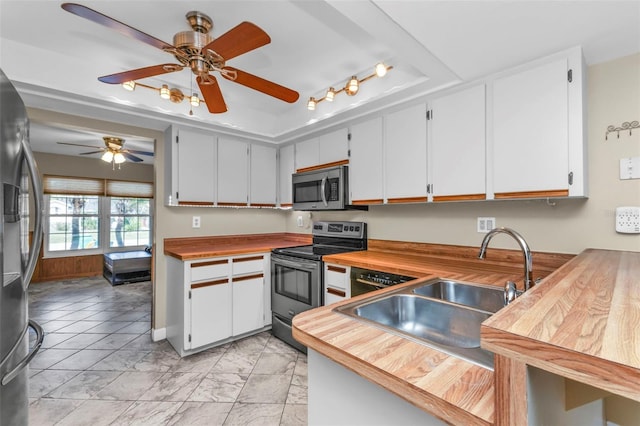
582,322
203,247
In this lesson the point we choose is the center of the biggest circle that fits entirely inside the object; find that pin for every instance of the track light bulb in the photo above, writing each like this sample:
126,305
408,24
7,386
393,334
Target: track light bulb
129,85
331,93
381,69
164,92
311,105
353,86
194,100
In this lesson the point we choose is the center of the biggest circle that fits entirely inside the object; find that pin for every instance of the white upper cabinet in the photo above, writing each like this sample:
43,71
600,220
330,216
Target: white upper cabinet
307,153
365,164
263,176
334,146
457,146
538,145
286,169
405,155
233,172
192,156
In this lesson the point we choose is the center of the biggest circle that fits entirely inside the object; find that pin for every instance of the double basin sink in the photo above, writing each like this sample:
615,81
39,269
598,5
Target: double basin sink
443,314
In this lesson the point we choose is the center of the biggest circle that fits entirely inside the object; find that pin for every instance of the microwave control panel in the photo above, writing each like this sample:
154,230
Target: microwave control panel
334,192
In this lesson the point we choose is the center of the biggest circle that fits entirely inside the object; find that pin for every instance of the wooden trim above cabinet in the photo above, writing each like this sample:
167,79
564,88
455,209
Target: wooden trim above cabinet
210,263
195,203
247,277
210,283
407,200
323,166
367,202
532,194
465,197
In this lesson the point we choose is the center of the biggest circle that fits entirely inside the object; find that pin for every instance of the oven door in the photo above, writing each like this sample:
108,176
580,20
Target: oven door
296,285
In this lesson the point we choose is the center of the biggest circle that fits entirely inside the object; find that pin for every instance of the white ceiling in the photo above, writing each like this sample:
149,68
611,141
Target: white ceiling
56,57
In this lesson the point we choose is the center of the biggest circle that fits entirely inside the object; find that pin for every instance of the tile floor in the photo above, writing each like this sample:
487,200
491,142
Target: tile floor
98,366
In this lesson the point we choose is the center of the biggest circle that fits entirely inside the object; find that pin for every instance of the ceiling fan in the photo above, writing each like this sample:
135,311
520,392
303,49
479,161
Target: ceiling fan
198,51
113,151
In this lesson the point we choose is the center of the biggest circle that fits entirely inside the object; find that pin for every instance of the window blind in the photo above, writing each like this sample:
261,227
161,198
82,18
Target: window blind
91,186
121,188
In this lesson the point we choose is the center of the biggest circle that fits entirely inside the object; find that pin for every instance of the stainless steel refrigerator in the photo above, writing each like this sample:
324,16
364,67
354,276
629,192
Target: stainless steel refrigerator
18,256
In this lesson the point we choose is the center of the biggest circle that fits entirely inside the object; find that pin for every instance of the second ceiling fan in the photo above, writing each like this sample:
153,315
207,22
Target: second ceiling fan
198,51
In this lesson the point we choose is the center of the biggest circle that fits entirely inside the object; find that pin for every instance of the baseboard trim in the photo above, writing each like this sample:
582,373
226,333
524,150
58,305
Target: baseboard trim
158,334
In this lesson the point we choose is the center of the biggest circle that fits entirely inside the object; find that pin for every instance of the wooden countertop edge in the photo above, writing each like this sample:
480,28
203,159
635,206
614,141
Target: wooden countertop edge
423,400
219,253
616,378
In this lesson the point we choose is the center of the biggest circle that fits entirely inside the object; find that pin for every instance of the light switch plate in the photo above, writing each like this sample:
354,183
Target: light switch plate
628,220
486,224
630,168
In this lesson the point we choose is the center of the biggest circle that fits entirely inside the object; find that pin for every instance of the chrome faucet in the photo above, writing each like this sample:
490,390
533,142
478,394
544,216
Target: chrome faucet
528,261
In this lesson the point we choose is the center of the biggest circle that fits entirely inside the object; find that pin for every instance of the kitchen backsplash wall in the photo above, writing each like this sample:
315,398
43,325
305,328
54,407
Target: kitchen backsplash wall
569,226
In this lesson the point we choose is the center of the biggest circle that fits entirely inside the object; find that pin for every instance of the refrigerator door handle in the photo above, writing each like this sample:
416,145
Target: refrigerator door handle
38,227
23,363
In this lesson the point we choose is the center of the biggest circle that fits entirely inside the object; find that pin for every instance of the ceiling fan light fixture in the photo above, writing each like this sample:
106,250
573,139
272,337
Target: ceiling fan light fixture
129,85
107,156
164,92
118,158
194,100
352,86
311,105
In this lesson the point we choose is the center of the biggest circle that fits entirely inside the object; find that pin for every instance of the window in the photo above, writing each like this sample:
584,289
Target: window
90,216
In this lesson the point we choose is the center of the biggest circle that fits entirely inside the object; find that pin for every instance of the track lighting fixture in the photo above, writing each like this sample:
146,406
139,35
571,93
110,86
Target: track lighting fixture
351,88
175,95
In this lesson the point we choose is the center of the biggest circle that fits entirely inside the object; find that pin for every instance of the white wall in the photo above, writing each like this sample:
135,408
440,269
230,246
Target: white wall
613,97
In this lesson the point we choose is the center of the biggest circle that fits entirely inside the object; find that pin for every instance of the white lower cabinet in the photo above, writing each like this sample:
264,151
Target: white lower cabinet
337,283
213,301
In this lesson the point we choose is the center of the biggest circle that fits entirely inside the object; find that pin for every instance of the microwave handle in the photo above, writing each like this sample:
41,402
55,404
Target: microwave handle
323,187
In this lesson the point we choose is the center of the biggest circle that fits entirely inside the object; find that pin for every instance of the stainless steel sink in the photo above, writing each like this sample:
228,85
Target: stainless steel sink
439,313
484,297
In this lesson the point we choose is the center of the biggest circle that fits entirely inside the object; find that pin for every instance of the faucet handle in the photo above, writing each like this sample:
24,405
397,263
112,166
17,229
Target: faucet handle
509,292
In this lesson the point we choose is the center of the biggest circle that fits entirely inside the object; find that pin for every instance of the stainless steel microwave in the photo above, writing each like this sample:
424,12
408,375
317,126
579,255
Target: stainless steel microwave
322,189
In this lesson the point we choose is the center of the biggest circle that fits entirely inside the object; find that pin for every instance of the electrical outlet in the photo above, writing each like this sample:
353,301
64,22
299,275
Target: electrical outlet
628,220
300,221
486,224
195,222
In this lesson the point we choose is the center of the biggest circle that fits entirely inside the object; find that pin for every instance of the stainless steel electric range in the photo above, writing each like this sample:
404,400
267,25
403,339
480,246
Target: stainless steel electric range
296,272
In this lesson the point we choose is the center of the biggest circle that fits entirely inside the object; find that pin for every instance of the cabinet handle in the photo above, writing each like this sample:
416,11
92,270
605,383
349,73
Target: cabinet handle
247,277
336,292
336,269
213,262
210,283
248,259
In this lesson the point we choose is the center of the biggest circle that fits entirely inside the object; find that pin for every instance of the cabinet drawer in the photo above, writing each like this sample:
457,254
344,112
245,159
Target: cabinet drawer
336,276
247,265
207,270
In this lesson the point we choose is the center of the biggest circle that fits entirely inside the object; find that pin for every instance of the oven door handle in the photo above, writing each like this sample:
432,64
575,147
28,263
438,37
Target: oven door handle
323,187
372,284
293,264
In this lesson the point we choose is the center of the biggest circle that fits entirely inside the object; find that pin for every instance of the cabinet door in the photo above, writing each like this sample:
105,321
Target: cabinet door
196,167
233,172
286,169
365,164
210,312
457,146
248,303
405,148
307,153
530,133
263,176
334,146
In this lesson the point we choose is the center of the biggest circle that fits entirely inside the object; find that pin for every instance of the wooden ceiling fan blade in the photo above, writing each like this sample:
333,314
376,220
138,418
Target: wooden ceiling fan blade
135,151
240,39
212,95
261,85
79,144
131,157
140,73
122,28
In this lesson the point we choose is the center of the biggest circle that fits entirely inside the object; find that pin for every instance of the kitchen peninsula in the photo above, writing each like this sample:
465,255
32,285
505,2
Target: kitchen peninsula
559,326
